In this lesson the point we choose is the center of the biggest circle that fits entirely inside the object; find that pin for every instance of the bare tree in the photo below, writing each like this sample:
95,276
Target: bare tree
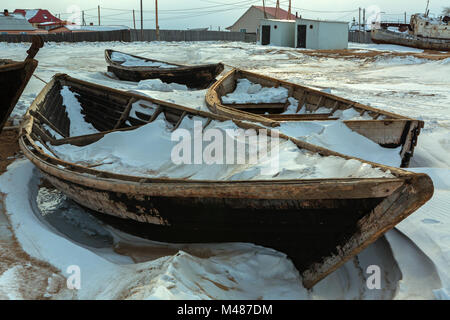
446,11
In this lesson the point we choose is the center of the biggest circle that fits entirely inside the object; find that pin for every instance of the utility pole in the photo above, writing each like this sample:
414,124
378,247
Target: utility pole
277,9
142,24
134,20
405,18
426,10
83,22
359,26
98,15
157,25
264,7
364,19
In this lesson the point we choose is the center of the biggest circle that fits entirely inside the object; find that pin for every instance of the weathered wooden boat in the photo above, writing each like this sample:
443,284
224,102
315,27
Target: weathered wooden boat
387,129
198,77
319,223
14,77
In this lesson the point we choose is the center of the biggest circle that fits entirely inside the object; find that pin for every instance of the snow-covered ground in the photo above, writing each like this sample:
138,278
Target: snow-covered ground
414,258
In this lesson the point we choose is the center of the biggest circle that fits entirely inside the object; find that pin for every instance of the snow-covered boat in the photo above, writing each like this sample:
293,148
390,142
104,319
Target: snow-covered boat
133,68
258,98
321,220
14,77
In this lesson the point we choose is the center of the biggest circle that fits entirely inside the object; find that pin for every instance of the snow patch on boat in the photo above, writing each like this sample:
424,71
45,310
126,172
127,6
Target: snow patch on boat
78,124
249,92
129,61
149,151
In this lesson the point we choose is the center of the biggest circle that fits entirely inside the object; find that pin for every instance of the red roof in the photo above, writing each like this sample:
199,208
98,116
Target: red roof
37,15
282,14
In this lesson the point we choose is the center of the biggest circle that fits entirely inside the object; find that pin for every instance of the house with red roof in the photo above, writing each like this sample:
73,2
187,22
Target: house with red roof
250,21
40,18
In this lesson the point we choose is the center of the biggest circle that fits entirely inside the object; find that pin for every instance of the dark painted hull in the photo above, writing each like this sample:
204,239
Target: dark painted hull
14,77
194,77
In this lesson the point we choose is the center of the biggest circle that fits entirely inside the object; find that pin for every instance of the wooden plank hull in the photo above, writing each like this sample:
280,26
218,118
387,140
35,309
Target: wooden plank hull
199,77
319,223
381,36
14,77
387,129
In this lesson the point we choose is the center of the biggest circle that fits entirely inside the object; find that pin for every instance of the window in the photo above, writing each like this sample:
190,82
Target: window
311,26
243,30
275,26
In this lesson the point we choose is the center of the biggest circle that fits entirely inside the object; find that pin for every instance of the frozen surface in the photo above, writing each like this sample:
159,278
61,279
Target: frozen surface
413,258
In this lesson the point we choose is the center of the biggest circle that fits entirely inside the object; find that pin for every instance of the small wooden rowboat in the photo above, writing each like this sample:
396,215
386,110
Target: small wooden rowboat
319,223
387,129
14,77
198,77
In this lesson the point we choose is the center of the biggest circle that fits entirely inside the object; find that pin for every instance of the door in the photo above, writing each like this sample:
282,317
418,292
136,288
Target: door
265,36
301,36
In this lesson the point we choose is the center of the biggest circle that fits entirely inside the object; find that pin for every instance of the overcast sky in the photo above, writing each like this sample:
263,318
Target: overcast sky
184,14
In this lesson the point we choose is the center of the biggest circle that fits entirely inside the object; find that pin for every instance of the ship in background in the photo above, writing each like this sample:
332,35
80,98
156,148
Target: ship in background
423,32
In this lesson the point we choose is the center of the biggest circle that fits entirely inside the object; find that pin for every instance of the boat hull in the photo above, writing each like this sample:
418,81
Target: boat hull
194,77
381,36
13,80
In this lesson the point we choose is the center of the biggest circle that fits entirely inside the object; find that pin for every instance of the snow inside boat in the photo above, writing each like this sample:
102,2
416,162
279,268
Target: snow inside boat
134,68
14,77
111,152
253,97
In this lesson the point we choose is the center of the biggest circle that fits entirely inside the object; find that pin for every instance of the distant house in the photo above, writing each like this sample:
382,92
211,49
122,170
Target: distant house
251,19
277,33
16,24
40,18
90,28
321,34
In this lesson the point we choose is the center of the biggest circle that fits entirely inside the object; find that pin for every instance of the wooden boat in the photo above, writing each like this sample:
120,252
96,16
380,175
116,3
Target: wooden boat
198,77
14,77
319,223
387,129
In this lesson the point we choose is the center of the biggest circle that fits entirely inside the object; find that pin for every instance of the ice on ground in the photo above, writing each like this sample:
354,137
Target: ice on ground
129,61
158,85
78,125
248,92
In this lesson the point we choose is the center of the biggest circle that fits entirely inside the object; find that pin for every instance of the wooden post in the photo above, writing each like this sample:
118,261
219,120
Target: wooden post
142,24
157,25
134,20
98,15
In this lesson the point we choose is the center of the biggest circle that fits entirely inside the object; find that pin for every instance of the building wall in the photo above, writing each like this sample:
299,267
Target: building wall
250,21
324,35
282,33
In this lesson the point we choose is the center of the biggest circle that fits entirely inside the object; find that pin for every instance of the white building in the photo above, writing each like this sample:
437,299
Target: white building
277,32
321,35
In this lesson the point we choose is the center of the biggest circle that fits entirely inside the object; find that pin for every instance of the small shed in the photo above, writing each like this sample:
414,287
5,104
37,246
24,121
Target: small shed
321,34
277,32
